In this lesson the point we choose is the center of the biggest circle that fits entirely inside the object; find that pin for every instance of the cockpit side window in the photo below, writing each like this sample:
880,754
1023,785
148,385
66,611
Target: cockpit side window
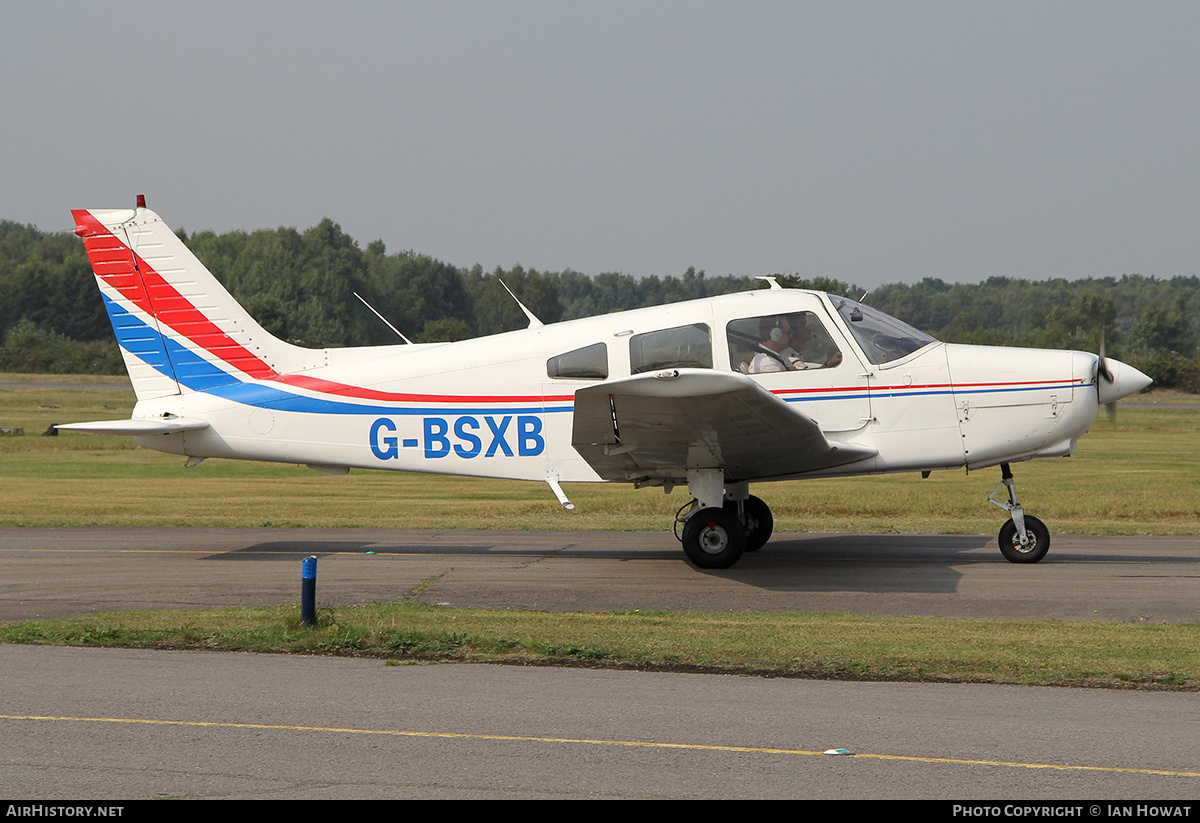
588,363
775,343
883,338
682,347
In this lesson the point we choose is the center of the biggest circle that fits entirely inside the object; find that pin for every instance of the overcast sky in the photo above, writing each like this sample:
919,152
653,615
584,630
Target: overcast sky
874,142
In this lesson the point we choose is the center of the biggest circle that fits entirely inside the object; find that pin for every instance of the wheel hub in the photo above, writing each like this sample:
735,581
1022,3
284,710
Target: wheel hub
714,539
1026,544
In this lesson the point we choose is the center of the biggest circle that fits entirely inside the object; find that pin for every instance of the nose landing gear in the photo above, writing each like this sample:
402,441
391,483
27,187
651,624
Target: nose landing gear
1023,538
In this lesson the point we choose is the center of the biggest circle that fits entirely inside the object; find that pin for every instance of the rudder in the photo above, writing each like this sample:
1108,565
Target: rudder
178,328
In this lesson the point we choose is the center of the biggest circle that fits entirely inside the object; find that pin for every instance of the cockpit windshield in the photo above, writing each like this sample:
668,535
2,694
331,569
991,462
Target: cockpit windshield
882,337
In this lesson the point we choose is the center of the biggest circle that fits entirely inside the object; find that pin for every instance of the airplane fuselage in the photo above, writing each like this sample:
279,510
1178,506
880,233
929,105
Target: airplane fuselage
488,407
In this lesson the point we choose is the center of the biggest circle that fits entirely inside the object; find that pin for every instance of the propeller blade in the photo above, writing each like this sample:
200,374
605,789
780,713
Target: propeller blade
1103,372
1102,364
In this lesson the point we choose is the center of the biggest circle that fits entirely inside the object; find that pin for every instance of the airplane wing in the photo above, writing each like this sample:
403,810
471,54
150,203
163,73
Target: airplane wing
657,426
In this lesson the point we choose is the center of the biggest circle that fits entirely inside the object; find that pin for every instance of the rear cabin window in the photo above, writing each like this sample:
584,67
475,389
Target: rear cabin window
683,347
588,363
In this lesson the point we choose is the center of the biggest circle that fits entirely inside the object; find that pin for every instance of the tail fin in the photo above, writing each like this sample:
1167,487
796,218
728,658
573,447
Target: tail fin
177,326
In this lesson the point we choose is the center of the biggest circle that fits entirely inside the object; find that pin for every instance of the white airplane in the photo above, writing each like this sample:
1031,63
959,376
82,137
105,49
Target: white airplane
714,394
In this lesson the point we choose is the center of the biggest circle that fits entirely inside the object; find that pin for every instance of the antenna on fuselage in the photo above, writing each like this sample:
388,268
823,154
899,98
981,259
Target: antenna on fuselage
384,319
770,278
534,323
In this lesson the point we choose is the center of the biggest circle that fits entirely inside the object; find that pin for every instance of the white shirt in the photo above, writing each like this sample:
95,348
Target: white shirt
766,361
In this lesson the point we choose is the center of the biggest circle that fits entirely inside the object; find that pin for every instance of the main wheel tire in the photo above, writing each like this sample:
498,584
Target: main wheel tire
1031,552
759,523
713,538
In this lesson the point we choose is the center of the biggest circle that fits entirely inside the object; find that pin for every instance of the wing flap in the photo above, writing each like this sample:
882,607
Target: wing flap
657,426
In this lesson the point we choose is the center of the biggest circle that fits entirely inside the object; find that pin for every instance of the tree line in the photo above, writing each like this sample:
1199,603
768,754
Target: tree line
300,286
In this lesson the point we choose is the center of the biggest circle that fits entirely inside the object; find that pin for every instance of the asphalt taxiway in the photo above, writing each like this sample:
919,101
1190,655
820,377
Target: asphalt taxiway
116,723
50,572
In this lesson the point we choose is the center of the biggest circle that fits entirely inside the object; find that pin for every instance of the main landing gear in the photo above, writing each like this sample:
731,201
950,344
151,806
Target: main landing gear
1023,538
721,522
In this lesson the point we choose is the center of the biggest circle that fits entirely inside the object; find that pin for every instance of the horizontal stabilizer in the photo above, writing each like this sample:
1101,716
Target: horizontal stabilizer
137,428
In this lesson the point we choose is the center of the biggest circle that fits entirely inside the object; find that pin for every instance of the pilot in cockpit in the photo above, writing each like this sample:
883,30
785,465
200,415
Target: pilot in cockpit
782,341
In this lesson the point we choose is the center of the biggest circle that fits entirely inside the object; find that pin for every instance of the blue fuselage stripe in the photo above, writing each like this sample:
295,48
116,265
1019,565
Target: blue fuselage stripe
882,393
200,375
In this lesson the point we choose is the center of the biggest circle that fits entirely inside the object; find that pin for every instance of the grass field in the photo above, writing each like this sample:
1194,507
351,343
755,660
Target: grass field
1029,652
1138,477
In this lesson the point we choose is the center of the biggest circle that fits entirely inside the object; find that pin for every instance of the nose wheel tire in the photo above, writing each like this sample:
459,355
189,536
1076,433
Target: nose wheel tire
713,538
1037,541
